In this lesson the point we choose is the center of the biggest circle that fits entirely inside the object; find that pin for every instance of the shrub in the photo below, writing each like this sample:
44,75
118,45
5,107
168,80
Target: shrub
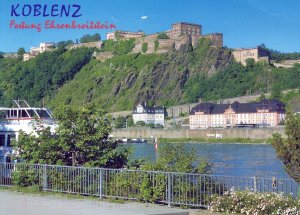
119,47
247,202
162,36
144,47
26,177
156,45
140,123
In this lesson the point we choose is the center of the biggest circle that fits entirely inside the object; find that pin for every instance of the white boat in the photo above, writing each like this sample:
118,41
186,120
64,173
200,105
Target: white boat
20,117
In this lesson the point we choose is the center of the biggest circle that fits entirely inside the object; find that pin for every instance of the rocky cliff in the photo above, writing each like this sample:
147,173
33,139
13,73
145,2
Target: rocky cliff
123,81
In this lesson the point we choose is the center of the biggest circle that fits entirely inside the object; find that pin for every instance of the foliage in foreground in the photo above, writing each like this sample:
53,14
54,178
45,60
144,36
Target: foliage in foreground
175,158
247,202
81,138
141,185
288,150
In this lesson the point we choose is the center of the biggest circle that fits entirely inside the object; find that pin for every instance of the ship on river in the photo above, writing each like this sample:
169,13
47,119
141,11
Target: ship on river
20,117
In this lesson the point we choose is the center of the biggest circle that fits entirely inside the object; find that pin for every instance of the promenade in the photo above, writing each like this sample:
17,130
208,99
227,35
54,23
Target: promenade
15,203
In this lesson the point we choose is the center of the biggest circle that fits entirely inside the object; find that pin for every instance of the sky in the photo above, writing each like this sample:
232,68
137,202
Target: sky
244,23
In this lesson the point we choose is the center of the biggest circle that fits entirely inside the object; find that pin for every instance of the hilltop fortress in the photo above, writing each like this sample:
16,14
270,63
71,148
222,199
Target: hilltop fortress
182,33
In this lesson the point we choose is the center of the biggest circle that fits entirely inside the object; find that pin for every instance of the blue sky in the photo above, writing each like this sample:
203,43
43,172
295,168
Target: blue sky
244,23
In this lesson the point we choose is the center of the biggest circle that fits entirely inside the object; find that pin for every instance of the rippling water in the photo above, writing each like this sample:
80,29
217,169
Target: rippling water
227,159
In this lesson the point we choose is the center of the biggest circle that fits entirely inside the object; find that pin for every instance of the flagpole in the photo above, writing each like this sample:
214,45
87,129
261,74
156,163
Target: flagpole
156,147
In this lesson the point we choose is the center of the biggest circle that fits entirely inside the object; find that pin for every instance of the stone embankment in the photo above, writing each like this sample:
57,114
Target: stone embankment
252,133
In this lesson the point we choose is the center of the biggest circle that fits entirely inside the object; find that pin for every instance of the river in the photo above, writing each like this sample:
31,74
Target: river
228,159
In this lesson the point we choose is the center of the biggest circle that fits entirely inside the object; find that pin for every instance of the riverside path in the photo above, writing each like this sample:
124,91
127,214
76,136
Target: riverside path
16,203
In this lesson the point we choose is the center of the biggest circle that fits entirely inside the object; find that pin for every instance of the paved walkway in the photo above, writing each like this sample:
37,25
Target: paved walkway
14,203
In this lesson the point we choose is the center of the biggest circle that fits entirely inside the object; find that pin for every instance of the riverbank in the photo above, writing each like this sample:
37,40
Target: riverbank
236,140
241,135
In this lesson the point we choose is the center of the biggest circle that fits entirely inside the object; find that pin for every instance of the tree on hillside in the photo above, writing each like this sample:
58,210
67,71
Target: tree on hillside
276,92
82,138
162,36
63,44
288,150
262,97
21,51
250,62
90,38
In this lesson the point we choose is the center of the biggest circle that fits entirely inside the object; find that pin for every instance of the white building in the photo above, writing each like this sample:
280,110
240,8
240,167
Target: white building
155,115
45,46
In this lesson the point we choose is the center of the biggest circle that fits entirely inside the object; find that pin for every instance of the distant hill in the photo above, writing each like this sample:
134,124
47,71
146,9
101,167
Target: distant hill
182,76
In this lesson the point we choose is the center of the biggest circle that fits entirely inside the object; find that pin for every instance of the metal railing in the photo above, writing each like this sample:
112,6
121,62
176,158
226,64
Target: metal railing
169,188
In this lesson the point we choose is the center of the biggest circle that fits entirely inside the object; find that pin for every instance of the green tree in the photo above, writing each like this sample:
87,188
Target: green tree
140,123
90,38
175,158
250,62
262,97
21,51
120,122
288,150
276,92
117,35
130,121
63,44
81,138
156,45
144,47
162,36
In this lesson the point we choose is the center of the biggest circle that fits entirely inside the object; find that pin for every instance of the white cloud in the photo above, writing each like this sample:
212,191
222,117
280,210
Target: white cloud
144,17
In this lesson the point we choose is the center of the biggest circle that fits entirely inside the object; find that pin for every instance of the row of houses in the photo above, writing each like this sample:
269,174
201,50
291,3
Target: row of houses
210,115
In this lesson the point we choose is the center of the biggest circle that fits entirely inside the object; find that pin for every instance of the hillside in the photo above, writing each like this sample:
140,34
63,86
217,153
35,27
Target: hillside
181,76
39,78
124,80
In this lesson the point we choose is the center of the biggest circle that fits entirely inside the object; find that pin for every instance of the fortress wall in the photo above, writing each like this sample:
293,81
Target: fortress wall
151,48
182,40
103,56
97,44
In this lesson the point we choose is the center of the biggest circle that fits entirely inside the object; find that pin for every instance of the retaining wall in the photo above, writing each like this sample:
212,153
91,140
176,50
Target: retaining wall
253,133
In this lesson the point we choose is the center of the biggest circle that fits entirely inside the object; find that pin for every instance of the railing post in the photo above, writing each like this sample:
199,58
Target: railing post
1,173
100,183
254,185
45,179
169,190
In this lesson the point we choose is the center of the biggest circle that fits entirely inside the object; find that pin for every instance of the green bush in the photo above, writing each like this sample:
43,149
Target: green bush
144,47
26,177
247,202
140,123
162,36
119,47
156,45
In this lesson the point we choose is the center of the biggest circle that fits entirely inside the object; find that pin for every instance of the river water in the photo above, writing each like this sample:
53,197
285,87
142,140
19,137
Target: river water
228,159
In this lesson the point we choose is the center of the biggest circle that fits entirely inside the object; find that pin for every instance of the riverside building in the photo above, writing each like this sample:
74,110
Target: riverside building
264,113
155,115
